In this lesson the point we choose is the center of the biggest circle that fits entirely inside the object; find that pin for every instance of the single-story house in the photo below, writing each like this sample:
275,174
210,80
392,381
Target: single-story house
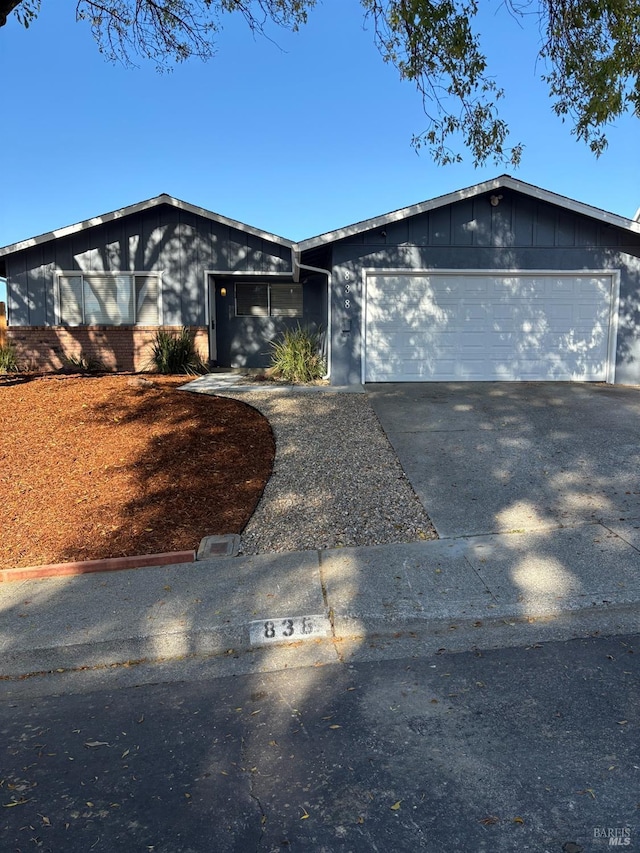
499,281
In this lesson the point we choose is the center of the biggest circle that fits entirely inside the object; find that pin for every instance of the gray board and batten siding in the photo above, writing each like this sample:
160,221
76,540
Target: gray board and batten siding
179,244
520,234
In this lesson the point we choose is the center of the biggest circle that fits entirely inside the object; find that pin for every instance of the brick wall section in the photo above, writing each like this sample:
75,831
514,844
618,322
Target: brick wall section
117,347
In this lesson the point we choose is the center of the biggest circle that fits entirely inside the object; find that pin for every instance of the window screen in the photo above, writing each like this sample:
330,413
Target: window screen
107,300
147,300
70,300
103,299
286,300
263,300
252,300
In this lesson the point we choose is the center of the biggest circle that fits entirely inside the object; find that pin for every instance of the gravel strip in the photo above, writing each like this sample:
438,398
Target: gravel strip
336,480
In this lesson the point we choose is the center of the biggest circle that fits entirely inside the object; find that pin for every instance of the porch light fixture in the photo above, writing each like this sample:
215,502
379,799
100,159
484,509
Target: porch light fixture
495,200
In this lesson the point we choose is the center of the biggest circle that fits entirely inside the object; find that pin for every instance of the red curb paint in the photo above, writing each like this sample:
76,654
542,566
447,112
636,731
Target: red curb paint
111,564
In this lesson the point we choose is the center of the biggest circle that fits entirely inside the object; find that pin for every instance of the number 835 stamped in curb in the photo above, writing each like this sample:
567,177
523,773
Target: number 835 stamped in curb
263,632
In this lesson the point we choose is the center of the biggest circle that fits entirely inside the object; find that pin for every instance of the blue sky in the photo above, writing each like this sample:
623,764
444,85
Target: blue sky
296,137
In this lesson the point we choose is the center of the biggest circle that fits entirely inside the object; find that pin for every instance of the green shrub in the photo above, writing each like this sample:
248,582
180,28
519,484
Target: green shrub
296,357
175,352
8,359
83,363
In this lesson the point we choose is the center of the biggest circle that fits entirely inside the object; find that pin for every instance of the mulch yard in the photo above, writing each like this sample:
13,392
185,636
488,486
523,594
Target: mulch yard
111,466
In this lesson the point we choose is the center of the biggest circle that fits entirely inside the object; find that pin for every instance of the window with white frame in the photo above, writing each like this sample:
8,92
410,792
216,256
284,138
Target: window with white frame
268,300
108,299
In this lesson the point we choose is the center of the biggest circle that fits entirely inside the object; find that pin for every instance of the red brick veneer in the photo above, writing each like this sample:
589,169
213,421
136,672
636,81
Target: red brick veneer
117,347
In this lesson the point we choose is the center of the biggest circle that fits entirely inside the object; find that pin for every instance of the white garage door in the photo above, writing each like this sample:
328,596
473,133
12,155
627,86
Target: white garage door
466,326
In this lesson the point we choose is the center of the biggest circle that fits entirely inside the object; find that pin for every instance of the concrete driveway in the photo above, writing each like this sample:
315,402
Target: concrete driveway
506,457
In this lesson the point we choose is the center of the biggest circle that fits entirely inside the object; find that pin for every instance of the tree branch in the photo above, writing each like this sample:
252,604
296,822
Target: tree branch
6,8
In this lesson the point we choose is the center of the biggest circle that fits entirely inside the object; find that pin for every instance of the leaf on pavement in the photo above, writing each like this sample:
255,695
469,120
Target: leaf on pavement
19,802
395,806
93,744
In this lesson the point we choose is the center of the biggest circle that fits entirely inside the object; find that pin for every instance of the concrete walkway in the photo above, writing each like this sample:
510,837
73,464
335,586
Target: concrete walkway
535,496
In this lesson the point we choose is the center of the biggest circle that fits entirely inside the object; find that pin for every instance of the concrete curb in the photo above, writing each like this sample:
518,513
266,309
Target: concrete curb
351,638
402,598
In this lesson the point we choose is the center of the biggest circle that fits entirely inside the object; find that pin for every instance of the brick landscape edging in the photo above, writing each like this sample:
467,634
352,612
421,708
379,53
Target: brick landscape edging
110,564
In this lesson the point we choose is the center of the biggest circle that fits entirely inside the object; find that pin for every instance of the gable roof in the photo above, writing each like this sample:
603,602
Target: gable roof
502,182
141,206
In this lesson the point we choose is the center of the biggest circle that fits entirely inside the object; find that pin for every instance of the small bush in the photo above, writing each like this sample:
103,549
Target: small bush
8,359
295,356
83,363
175,352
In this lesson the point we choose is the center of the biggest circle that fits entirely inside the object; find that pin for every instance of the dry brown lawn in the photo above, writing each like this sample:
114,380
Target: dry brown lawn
94,467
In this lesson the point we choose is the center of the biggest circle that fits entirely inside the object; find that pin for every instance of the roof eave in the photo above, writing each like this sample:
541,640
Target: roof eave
504,181
139,207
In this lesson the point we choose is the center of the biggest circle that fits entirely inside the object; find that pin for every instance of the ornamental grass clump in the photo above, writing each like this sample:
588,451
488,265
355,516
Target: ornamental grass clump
83,363
8,359
175,352
296,356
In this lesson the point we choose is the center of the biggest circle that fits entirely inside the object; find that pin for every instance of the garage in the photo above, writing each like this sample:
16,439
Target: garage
453,325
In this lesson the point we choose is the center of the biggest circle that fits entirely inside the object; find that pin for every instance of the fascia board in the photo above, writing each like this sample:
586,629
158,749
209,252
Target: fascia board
504,181
139,208
603,216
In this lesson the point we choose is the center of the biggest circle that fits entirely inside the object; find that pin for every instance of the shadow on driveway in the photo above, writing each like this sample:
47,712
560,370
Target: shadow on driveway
513,457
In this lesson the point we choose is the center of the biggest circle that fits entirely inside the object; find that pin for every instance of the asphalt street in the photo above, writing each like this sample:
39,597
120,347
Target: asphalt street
520,749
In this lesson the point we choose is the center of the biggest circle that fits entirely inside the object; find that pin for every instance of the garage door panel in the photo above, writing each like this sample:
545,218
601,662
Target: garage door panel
465,326
591,312
471,312
412,313
550,286
470,340
504,311
591,286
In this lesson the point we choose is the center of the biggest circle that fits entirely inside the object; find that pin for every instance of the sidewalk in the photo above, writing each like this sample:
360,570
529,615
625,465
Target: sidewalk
450,593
